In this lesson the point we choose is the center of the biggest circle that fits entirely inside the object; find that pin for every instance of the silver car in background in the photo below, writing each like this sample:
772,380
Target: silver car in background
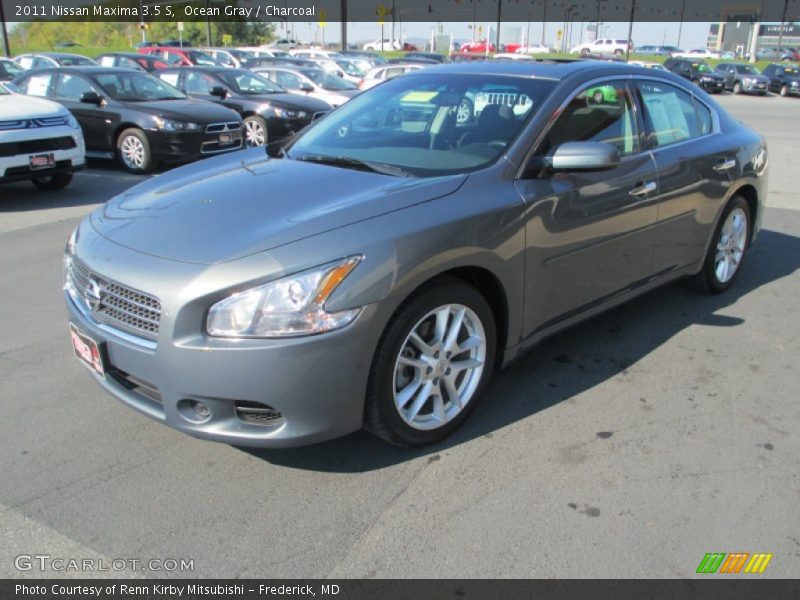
378,269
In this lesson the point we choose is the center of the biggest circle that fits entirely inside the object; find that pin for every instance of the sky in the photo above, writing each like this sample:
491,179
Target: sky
692,34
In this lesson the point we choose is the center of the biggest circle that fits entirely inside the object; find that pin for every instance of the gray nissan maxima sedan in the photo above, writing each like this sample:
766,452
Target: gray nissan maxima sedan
376,270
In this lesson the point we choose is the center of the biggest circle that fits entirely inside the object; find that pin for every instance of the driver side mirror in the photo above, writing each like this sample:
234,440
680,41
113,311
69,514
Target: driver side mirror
91,98
583,156
219,91
305,87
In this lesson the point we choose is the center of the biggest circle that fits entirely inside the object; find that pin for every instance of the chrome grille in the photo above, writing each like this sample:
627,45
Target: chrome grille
113,303
33,123
223,127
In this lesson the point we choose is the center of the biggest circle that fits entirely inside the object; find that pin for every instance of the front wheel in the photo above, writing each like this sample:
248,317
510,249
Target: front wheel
784,91
53,182
255,131
727,251
737,88
433,362
133,150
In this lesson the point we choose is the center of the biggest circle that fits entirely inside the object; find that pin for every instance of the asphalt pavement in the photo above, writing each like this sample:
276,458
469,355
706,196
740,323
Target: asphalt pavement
627,447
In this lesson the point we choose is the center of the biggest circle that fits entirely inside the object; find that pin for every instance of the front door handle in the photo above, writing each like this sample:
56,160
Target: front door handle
643,189
725,165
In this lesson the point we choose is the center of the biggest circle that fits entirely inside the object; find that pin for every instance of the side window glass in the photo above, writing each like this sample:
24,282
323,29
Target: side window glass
704,117
72,87
36,85
198,83
170,78
107,61
599,113
669,113
26,62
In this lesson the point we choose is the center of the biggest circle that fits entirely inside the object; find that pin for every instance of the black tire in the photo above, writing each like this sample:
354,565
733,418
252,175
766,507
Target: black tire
381,417
618,52
256,122
706,280
52,183
737,88
147,164
585,52
784,90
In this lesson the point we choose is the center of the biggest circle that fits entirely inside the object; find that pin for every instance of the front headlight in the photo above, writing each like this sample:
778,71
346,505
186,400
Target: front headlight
287,113
292,306
170,125
72,121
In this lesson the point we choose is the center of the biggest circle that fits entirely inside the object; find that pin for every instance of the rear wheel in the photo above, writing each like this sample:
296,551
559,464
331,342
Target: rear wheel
133,150
618,52
433,362
727,251
584,51
53,182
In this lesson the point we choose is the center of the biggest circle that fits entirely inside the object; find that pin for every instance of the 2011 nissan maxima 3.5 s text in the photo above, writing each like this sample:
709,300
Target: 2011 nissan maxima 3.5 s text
380,267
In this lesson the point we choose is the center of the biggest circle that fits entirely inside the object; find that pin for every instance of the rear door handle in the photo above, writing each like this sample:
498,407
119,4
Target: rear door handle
644,189
725,165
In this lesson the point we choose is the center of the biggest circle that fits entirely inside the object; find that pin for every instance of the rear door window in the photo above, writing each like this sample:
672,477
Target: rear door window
669,113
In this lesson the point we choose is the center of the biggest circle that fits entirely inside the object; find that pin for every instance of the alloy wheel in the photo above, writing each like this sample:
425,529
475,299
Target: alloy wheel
731,245
439,366
255,135
132,152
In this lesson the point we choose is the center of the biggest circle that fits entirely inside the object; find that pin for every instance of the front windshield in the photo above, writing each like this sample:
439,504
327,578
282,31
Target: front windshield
791,71
352,68
327,81
747,69
136,87
244,82
75,61
201,58
427,125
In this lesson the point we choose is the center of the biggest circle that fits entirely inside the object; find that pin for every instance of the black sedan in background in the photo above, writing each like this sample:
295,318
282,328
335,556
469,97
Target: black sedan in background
269,112
134,116
784,79
698,72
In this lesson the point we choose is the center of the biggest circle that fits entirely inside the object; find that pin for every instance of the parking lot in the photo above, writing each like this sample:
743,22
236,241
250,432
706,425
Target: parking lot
627,447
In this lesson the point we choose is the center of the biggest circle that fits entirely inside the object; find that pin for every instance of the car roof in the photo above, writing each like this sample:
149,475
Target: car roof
86,69
542,68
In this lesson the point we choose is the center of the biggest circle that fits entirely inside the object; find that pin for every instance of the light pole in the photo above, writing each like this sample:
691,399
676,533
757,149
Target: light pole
680,25
544,18
630,30
597,21
567,13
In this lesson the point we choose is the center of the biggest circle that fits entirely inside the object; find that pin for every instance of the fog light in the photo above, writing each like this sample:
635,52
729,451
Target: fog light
201,409
194,410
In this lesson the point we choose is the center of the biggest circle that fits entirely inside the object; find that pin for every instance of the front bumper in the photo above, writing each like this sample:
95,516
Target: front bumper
15,166
713,86
316,383
182,147
757,87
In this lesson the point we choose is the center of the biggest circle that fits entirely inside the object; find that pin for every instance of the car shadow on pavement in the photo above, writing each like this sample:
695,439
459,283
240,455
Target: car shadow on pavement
100,182
565,365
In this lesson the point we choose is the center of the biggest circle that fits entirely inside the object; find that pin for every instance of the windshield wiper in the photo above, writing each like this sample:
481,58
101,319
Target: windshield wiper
355,163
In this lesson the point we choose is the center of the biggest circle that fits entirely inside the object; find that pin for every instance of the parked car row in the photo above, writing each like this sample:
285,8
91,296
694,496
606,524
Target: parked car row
739,78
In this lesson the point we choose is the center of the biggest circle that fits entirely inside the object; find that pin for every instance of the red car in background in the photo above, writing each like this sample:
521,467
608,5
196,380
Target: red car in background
180,57
479,46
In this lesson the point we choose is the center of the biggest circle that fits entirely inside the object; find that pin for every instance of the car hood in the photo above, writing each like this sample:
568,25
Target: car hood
196,111
16,107
232,206
345,93
291,101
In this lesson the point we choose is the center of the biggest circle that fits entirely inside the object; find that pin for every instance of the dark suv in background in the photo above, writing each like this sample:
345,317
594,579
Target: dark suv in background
784,79
698,72
743,78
